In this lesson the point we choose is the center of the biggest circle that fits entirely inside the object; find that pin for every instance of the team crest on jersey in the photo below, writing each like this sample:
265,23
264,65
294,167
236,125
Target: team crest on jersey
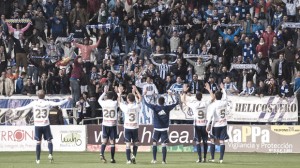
162,112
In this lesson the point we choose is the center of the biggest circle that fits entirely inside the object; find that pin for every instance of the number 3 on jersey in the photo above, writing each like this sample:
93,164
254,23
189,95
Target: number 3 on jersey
132,117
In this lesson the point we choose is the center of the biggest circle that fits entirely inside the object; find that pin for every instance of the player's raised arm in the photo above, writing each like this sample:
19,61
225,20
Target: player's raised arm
171,106
137,94
101,98
139,83
184,94
209,117
151,106
207,87
121,103
224,95
27,107
119,99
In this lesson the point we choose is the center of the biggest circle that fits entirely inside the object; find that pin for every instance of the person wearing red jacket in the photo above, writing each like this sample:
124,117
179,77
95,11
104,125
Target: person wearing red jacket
268,36
76,75
85,52
262,47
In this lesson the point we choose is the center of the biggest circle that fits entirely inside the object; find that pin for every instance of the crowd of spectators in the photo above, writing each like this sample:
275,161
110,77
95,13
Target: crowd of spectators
137,40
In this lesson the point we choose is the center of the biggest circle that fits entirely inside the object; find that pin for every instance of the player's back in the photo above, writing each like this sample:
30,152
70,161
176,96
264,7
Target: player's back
161,116
131,114
109,110
199,109
40,109
217,112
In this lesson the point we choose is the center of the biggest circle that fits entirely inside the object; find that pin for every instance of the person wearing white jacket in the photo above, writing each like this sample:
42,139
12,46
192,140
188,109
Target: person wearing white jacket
291,6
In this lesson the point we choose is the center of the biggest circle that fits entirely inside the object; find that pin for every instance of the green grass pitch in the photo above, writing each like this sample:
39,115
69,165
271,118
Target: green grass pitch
174,160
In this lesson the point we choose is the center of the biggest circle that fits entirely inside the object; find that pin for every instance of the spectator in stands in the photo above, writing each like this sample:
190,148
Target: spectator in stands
285,90
278,16
3,59
29,88
228,36
77,17
44,83
274,52
17,31
179,69
33,38
58,23
263,64
86,50
6,85
213,85
268,36
115,32
261,90
262,47
196,85
272,87
43,66
199,67
81,106
249,90
130,36
21,53
56,116
39,24
297,83
52,49
79,30
290,53
282,71
230,87
10,74
20,83
64,82
177,87
76,76
101,15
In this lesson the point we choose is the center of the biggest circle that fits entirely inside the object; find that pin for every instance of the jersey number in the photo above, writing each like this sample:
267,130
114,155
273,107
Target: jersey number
149,88
109,114
41,113
222,113
200,115
132,117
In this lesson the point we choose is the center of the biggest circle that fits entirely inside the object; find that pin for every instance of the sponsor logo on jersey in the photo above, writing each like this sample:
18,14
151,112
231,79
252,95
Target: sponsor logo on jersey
162,112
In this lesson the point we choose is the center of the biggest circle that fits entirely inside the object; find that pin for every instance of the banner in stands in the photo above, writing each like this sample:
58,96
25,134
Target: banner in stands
21,138
248,109
265,109
242,138
240,109
7,117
